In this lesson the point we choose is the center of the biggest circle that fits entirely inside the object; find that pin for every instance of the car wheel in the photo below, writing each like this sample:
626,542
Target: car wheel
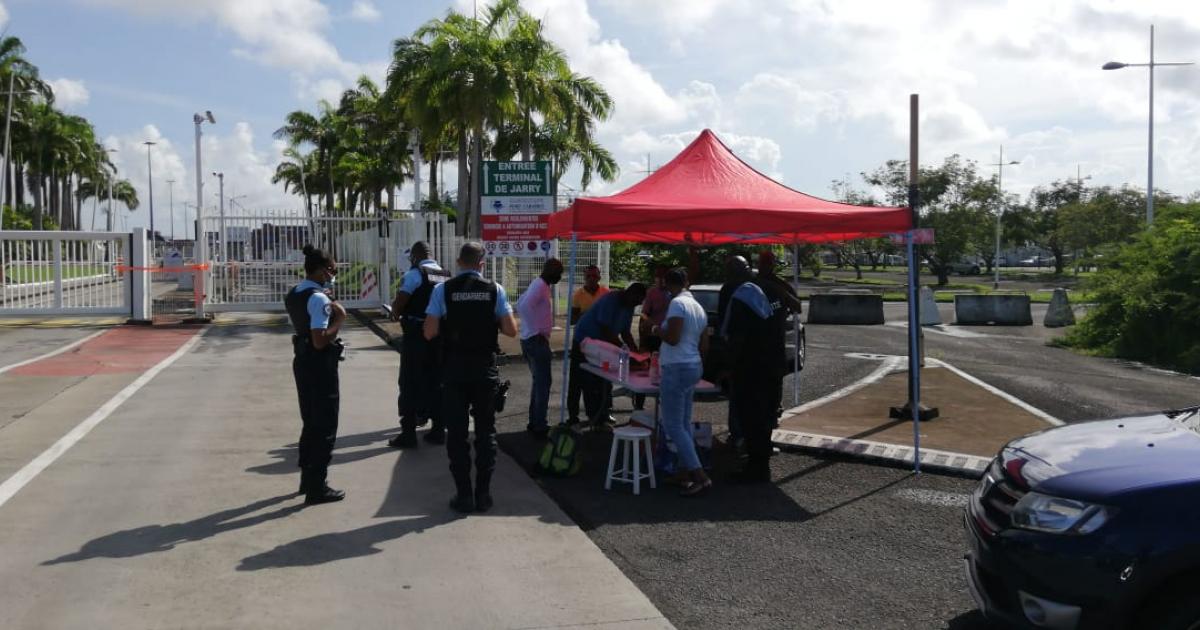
974,271
1177,609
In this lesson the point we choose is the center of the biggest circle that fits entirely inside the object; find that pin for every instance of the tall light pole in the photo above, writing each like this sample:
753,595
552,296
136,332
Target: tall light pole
1079,179
109,222
201,237
221,195
171,196
1117,65
999,212
150,187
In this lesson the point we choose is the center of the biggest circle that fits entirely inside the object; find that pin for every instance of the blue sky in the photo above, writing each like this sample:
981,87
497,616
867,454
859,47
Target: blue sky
807,91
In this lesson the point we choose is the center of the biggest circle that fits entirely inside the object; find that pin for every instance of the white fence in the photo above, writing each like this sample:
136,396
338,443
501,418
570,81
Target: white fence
256,258
64,273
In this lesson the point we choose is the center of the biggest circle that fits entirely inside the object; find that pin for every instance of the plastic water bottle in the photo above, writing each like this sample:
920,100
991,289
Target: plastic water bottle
623,365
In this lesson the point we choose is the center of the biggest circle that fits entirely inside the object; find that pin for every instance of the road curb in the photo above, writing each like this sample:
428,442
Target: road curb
899,456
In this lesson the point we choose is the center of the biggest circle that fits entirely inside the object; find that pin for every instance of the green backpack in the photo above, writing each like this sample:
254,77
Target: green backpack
560,456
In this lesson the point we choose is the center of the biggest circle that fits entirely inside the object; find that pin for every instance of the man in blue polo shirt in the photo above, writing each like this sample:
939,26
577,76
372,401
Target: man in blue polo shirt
609,319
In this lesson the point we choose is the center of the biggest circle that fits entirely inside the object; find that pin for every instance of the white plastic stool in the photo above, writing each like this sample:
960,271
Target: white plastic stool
632,438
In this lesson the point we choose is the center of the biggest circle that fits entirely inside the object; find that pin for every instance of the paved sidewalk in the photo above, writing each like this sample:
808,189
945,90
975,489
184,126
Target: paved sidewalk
179,510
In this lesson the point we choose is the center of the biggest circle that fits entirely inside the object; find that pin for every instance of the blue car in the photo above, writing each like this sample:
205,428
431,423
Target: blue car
1091,525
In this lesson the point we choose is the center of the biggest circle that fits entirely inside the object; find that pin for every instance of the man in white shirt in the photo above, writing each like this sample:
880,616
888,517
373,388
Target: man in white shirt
536,313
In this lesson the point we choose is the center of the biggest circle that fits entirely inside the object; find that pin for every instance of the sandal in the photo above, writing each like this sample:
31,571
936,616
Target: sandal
696,489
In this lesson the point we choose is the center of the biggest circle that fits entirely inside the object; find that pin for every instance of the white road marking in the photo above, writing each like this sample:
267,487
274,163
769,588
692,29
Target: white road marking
892,363
889,364
13,484
52,353
1047,418
950,331
934,497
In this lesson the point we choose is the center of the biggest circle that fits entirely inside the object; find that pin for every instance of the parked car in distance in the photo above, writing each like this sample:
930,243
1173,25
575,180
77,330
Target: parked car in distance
709,296
1091,525
965,268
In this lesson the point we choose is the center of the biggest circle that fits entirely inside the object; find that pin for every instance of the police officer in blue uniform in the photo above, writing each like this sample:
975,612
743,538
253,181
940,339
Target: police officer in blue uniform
468,312
420,360
317,319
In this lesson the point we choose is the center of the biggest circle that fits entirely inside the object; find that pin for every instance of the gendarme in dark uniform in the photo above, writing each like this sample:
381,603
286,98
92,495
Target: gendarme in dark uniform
420,362
468,312
317,352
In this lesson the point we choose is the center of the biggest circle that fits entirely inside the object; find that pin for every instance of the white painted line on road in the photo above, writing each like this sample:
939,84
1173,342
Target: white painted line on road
943,329
889,364
1047,418
52,353
934,497
13,484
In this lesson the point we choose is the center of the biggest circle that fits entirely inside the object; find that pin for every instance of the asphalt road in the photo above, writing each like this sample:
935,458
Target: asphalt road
179,510
832,543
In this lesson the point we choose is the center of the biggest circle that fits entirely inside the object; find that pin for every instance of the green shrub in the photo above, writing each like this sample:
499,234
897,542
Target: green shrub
1147,296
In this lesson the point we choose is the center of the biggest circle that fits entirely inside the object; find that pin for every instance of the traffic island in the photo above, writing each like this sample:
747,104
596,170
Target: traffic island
976,420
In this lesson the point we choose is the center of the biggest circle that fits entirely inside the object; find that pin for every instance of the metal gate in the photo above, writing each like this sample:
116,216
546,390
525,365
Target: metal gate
256,258
65,273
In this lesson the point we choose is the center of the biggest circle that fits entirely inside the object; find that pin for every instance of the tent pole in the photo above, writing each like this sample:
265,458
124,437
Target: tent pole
914,367
566,368
796,329
914,277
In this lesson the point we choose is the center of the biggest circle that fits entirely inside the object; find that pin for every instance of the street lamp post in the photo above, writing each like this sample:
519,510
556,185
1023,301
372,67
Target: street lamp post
221,195
1117,65
109,222
201,237
999,212
171,202
150,190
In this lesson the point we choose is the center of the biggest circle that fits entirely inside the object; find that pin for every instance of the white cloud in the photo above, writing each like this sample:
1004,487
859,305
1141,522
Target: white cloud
247,172
285,34
365,11
69,93
3,16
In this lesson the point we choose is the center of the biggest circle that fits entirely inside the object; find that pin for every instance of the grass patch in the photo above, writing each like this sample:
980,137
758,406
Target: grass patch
24,274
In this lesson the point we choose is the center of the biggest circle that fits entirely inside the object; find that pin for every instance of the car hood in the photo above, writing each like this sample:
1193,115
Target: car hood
1106,459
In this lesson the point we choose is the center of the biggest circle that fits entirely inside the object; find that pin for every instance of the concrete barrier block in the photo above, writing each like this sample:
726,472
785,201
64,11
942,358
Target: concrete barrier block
1059,314
929,309
845,308
997,309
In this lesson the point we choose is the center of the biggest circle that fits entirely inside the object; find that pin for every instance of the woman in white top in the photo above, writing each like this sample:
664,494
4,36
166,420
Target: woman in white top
685,336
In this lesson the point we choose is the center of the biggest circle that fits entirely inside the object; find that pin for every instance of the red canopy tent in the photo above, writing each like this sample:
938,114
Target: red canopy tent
708,196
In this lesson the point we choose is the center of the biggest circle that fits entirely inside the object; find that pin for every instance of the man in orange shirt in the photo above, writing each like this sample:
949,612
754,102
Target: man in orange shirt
583,299
586,295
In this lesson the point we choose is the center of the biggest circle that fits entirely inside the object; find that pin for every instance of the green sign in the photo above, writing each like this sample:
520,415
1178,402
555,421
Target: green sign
517,179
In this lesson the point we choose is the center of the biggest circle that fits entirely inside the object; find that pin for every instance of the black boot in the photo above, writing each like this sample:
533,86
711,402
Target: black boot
406,439
464,500
316,491
436,435
483,494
